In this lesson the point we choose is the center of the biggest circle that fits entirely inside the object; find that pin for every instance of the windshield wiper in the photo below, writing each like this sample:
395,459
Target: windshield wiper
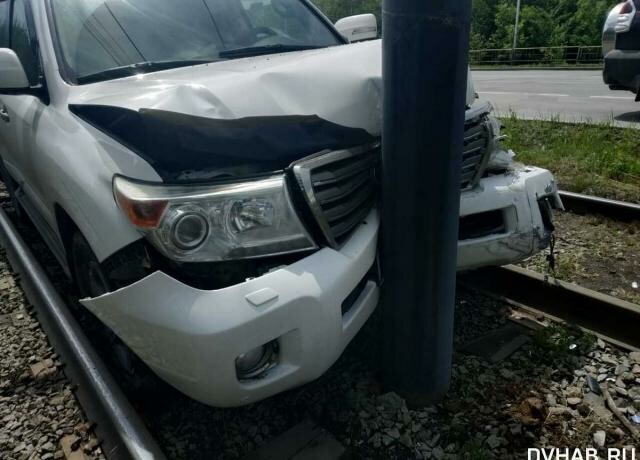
268,49
138,68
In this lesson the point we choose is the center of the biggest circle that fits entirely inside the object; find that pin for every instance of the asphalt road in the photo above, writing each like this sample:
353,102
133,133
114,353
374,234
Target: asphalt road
570,95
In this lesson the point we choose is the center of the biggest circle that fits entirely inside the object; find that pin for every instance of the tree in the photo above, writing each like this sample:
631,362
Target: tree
502,36
536,27
584,27
483,23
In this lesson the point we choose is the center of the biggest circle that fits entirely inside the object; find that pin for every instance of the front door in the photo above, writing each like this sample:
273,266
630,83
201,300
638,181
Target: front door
20,114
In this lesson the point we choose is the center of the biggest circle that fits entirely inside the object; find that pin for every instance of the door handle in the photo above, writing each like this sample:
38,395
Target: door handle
4,114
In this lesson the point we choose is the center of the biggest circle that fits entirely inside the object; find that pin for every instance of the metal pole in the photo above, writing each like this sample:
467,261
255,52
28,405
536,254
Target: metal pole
425,63
515,30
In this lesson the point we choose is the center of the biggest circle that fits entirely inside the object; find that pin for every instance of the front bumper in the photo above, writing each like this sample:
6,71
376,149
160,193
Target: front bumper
518,199
191,338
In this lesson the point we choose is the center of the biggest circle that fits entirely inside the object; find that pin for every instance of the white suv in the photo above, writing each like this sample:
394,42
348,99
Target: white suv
205,171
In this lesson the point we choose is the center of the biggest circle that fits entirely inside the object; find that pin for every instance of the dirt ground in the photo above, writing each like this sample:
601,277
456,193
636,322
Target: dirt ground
597,253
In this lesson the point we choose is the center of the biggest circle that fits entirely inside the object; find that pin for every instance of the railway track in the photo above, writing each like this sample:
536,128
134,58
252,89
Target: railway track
122,433
617,210
608,317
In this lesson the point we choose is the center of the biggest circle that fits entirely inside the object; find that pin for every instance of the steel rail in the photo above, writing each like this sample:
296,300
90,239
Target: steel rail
618,210
601,314
120,430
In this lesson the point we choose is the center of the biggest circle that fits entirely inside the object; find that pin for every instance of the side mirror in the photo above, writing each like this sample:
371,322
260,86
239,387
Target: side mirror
358,28
12,74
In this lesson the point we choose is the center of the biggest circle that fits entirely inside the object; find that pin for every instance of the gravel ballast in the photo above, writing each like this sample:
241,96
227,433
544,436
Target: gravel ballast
37,406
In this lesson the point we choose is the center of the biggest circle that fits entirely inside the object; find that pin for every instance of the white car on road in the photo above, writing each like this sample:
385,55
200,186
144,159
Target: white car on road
205,171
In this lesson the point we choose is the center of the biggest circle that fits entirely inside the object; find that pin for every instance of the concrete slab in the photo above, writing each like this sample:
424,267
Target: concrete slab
305,441
498,344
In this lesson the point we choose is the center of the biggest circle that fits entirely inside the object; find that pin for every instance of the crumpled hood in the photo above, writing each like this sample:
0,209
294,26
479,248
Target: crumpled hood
242,116
341,84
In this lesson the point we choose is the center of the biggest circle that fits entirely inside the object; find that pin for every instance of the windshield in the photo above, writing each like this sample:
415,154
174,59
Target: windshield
102,39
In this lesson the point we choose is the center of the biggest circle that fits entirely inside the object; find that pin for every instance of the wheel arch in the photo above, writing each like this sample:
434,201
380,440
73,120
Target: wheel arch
122,267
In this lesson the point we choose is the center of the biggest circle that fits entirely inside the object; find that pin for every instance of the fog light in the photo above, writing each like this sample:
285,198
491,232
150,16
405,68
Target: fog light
254,362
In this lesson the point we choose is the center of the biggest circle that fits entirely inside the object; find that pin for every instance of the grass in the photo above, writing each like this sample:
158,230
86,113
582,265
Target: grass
556,342
599,159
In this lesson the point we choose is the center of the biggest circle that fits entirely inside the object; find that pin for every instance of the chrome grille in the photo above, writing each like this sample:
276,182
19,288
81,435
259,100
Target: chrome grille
340,188
478,138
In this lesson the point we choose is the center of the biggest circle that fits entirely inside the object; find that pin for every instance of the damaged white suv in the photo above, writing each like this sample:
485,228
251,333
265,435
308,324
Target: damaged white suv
205,171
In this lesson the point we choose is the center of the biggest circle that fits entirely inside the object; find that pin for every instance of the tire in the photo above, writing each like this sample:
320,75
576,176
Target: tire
90,278
92,281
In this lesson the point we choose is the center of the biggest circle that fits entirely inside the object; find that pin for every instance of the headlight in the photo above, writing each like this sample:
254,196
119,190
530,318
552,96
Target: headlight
215,223
189,228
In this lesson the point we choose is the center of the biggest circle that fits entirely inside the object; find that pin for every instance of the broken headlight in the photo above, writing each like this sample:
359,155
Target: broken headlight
217,222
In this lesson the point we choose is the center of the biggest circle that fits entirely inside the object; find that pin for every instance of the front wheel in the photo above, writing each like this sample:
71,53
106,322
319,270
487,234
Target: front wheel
90,278
92,281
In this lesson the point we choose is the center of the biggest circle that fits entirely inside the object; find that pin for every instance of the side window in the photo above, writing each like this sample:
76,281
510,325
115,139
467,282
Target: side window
22,44
4,23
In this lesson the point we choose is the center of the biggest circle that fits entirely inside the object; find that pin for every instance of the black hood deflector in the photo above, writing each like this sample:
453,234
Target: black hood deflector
183,147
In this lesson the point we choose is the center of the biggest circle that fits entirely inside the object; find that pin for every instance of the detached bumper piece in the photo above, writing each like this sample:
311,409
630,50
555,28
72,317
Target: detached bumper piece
209,344
506,218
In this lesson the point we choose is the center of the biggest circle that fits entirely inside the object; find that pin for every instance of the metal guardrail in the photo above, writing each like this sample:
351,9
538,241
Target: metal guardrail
122,433
547,56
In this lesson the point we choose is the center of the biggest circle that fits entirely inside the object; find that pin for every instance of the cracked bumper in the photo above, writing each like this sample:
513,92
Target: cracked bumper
516,196
191,338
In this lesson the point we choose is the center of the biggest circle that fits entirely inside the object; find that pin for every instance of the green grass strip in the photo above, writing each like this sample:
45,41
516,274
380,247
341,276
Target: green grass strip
598,159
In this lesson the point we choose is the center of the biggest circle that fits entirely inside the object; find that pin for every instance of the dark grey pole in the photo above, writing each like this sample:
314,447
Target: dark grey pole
425,59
